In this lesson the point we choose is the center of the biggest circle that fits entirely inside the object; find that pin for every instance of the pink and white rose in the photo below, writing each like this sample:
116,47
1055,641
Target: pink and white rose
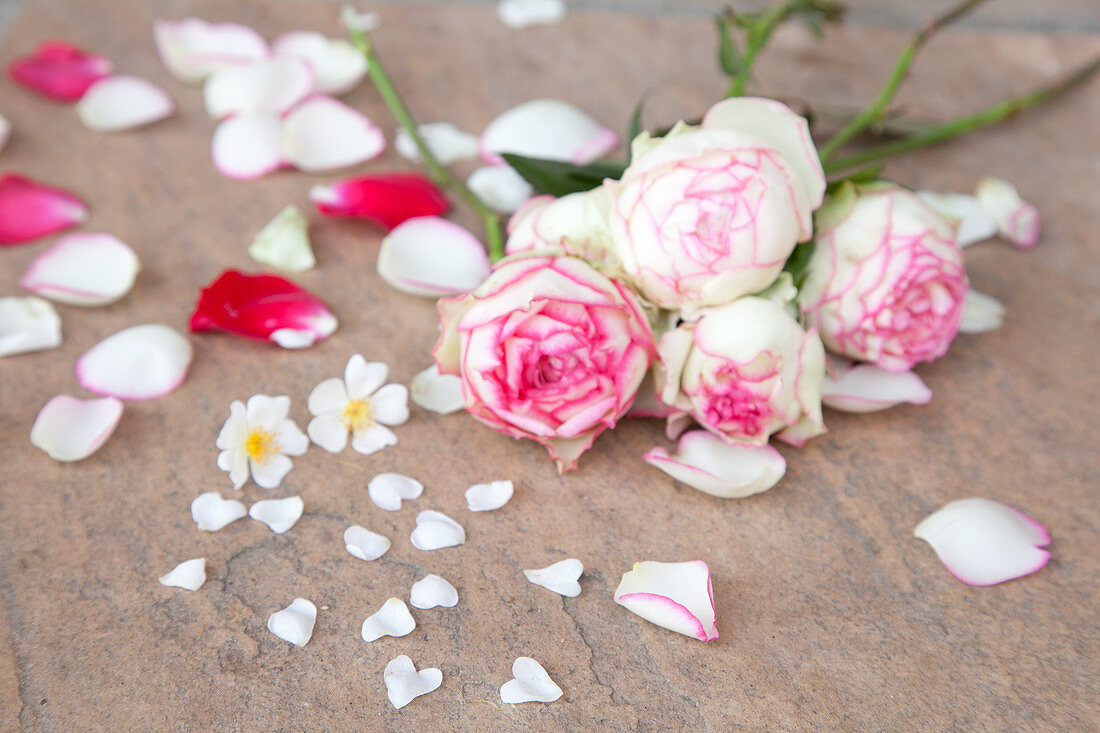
547,349
575,224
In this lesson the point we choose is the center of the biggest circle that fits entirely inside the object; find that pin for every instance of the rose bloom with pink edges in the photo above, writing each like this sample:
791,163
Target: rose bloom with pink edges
886,282
548,349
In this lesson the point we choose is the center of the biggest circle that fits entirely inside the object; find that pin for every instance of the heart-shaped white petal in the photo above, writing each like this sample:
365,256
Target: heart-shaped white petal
561,577
28,324
268,86
547,128
490,496
674,595
447,143
435,530
364,544
440,393
981,313
338,66
393,619
1017,220
500,187
190,574
70,429
431,591
524,13
123,102
387,490
531,683
430,257
85,268
972,222
279,514
404,683
284,242
708,463
868,388
137,363
192,49
246,147
323,133
295,622
211,512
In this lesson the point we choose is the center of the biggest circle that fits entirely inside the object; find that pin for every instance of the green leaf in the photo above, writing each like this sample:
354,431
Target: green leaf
797,262
559,179
729,59
636,120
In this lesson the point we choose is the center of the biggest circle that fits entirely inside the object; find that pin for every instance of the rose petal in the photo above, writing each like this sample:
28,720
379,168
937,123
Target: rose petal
246,147
447,143
28,324
5,131
192,49
323,133
972,222
284,242
981,313
500,187
547,128
983,542
29,210
393,619
490,496
435,530
189,574
868,388
1017,220
295,622
84,268
338,66
430,257
561,577
531,683
59,70
359,21
71,429
387,490
404,683
710,464
278,514
211,512
524,13
432,591
266,86
123,102
137,363
387,199
364,544
440,393
673,595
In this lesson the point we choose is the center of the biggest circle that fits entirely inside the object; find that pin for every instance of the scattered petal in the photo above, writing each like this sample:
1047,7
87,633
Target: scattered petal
189,574
708,463
432,591
673,595
137,363
323,133
247,147
28,324
29,210
973,223
868,388
83,268
981,313
211,512
561,577
355,20
490,496
435,530
440,393
338,66
530,683
547,128
1017,220
123,102
71,429
59,71
192,49
404,683
430,257
284,242
393,619
295,622
364,544
387,490
983,542
500,187
267,86
524,13
387,199
5,131
279,514
447,143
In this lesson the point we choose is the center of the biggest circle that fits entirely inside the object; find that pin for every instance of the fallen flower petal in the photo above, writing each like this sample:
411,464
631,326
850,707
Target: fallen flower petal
267,86
706,462
278,514
5,131
439,393
360,404
192,49
28,324
29,210
338,66
983,542
868,388
137,363
500,187
71,429
388,199
547,128
674,595
323,133
393,619
189,574
981,313
364,544
435,530
490,496
447,143
211,512
530,683
387,490
295,622
84,268
404,683
123,102
429,257
972,222
432,591
258,439
524,13
247,147
284,242
59,70
1017,220
561,577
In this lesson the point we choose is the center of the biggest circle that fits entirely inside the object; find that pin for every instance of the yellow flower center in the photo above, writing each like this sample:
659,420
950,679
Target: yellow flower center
356,414
260,445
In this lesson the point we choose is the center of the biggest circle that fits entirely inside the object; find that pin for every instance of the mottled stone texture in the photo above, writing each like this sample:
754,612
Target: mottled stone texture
832,617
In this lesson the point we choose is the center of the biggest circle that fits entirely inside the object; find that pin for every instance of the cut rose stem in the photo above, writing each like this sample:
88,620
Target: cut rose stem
490,220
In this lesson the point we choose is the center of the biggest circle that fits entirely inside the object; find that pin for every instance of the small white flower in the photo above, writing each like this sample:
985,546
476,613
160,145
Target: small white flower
359,404
258,438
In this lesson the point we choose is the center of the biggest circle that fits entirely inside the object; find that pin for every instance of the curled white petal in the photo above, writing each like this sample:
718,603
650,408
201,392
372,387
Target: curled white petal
387,490
524,13
211,512
490,496
393,619
338,66
673,595
364,544
708,463
981,313
284,242
192,49
278,514
123,102
268,86
441,393
983,542
561,577
529,683
246,147
432,591
430,256
5,131
868,388
189,574
972,222
295,622
28,324
547,128
435,530
500,187
404,683
71,429
447,143
1017,220
137,363
323,133
84,268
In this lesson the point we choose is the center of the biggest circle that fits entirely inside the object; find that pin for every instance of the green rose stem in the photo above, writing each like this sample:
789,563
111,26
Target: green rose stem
490,220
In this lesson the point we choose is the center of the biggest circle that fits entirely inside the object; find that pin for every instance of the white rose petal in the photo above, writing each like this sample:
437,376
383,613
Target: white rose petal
435,530
123,102
431,591
547,128
440,393
247,146
430,256
490,496
337,64
1017,220
83,268
500,187
868,388
192,49
5,131
404,683
28,324
323,134
211,512
71,429
524,13
981,313
674,595
972,222
364,544
267,86
708,463
561,577
137,363
447,143
393,619
295,622
387,490
190,574
279,514
530,683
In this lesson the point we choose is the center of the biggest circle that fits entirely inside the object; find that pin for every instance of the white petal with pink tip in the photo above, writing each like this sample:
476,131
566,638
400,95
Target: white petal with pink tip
561,577
278,514
295,622
404,683
123,102
246,147
71,429
972,222
211,512
983,542
435,531
364,544
981,313
323,133
500,187
430,257
388,490
137,363
710,464
530,683
192,49
674,595
393,619
868,388
440,393
268,86
337,65
524,13
490,496
1017,220
28,324
432,591
547,128
189,575
85,268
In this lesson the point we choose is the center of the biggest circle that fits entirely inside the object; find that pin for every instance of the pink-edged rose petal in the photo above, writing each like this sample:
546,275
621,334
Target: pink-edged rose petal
708,463
5,131
972,222
431,257
323,133
432,591
211,512
393,619
490,496
278,514
388,490
435,531
338,66
404,684
561,577
447,143
29,210
28,324
387,199
123,102
868,388
84,268
674,595
268,86
500,187
547,128
364,544
137,363
71,429
439,393
247,147
981,313
983,542
524,13
295,622
1017,220
189,575
529,683
191,49
59,70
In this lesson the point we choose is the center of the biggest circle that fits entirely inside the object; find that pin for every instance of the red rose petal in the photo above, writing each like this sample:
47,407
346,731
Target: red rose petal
386,199
59,70
29,210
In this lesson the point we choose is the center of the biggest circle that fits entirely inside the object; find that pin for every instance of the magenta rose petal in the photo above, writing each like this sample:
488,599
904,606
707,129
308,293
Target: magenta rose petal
28,324
867,388
388,199
547,128
708,463
429,256
268,86
29,210
981,313
983,542
84,268
676,596
323,133
137,363
247,147
123,102
337,64
71,429
191,49
59,70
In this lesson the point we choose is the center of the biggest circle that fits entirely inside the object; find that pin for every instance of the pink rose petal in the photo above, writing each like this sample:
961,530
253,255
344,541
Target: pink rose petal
123,102
323,133
708,463
84,268
71,429
387,199
429,256
246,147
28,324
137,363
675,595
192,49
547,128
29,210
338,66
269,86
868,388
59,70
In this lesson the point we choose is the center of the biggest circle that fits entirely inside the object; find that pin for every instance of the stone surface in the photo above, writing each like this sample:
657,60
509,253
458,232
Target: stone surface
832,617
